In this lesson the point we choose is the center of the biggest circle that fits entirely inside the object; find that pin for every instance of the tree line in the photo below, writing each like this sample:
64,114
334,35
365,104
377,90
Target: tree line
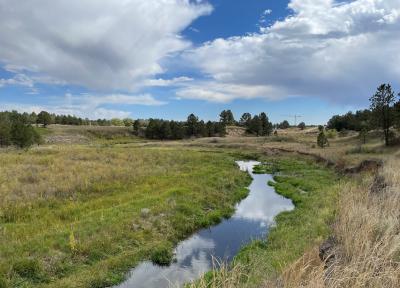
383,114
45,118
174,130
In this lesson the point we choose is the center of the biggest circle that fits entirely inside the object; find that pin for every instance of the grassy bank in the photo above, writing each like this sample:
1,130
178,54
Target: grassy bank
367,233
314,191
81,216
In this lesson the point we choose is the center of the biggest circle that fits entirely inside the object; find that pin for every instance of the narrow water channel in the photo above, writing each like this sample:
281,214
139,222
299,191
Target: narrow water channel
194,256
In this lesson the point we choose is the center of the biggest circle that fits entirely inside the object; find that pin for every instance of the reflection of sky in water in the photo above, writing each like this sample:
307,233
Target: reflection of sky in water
194,256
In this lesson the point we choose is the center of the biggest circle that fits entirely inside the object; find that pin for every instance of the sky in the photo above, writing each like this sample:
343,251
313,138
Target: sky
169,58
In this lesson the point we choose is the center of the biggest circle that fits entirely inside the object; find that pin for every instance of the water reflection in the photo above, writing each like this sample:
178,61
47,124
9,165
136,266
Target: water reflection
194,256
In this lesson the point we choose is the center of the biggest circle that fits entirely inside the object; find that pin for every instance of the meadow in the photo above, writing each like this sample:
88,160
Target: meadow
81,216
91,203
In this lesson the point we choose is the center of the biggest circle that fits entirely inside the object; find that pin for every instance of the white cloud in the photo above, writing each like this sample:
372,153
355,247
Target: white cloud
337,51
87,105
18,80
167,82
223,93
101,45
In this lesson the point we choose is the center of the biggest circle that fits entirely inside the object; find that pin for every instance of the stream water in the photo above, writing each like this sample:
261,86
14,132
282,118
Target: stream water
196,255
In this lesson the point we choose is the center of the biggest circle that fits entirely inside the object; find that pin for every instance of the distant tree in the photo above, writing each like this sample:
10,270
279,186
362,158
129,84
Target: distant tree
165,131
302,126
226,117
322,140
245,120
266,125
397,113
136,127
201,129
382,103
284,125
192,125
321,128
220,129
128,122
177,130
44,118
256,126
5,130
117,122
364,132
210,128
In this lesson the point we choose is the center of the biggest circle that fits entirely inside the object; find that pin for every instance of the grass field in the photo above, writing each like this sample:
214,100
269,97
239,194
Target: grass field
92,202
77,216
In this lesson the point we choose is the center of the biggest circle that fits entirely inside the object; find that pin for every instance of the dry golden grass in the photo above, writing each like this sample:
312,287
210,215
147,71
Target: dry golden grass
368,235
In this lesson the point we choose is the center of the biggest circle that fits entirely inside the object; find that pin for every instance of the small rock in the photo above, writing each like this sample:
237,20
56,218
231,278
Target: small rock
326,250
135,227
145,212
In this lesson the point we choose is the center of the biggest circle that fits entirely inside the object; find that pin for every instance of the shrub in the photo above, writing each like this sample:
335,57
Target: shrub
331,134
322,140
24,136
162,255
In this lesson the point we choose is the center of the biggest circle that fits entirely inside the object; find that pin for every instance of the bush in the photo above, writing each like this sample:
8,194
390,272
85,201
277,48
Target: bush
322,140
24,136
162,255
331,134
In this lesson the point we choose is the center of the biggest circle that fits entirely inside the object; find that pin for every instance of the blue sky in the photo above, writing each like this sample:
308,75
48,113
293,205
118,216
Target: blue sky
167,59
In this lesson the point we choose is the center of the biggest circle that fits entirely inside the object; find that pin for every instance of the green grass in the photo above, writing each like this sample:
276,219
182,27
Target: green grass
314,191
84,216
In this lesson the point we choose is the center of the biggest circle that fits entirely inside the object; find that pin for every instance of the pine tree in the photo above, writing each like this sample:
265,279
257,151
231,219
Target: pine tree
381,105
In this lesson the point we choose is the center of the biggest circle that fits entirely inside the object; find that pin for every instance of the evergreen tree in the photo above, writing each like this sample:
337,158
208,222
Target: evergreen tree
165,130
136,127
44,118
382,108
5,130
177,130
192,125
284,125
302,126
24,135
245,120
210,128
256,126
322,140
226,117
266,125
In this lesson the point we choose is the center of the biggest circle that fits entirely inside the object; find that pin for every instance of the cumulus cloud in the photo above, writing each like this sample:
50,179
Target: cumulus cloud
101,45
337,51
226,92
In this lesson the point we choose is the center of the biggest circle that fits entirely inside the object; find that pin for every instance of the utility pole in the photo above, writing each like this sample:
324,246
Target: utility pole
295,117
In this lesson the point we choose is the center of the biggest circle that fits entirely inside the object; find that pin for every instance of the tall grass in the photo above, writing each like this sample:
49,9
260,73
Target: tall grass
72,216
368,239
